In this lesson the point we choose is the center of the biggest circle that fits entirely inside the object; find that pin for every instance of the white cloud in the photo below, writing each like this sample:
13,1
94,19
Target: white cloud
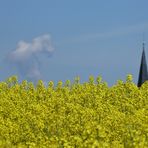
26,55
24,50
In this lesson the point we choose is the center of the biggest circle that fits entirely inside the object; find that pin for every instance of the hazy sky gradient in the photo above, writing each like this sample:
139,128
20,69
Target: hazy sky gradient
89,37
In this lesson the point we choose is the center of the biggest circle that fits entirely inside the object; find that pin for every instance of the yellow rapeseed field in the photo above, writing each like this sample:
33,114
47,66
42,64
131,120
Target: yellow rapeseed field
73,115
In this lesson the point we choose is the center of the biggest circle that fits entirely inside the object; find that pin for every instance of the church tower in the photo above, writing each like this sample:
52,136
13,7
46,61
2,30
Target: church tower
143,73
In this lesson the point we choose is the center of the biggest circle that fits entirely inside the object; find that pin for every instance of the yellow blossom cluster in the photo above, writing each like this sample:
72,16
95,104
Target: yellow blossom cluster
73,115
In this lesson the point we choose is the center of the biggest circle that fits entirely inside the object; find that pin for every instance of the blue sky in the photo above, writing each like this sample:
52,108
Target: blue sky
83,37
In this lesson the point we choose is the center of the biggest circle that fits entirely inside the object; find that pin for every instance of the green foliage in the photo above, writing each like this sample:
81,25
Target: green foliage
73,115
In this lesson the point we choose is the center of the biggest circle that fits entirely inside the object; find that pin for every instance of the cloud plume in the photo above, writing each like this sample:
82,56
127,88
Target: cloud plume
26,56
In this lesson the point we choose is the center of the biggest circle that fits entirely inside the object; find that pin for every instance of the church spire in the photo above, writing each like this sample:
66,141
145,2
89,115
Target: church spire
143,73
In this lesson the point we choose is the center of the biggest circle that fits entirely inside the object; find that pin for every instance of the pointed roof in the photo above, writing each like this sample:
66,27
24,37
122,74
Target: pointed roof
143,73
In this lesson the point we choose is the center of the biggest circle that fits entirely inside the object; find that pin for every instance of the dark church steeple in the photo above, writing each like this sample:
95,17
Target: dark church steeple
143,73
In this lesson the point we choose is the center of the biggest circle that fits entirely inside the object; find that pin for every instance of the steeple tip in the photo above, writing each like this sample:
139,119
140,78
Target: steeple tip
143,42
143,46
143,73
